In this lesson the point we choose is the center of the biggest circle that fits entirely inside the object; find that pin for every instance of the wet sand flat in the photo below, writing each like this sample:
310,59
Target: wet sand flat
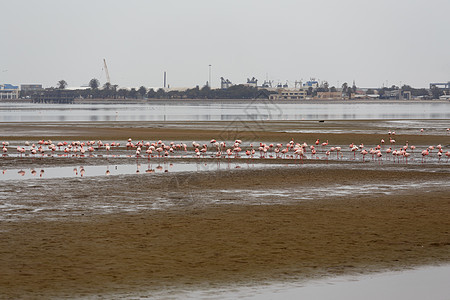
215,246
337,132
208,238
211,245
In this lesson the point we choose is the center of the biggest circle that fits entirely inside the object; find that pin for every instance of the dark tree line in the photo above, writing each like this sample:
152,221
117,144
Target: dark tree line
109,91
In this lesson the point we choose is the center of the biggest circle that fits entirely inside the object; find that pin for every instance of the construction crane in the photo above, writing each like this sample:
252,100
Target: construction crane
108,80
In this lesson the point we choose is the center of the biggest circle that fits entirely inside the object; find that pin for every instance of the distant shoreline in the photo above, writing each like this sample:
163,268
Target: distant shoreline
205,101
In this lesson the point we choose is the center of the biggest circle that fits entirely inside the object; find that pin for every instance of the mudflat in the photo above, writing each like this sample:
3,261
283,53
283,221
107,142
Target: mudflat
211,239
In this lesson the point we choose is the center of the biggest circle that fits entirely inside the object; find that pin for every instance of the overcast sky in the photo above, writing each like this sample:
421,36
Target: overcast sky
372,42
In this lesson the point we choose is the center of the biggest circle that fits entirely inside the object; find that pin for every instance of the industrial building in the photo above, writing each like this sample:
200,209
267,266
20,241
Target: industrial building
252,82
54,96
397,95
225,83
442,85
31,87
311,83
9,91
329,95
289,94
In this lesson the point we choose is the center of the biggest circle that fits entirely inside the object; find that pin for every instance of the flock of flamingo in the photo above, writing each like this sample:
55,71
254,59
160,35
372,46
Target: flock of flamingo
217,149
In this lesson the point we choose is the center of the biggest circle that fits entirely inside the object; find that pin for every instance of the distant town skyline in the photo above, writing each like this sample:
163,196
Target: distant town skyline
375,43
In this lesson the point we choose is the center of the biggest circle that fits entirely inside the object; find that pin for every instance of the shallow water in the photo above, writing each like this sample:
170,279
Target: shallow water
330,191
417,284
119,169
222,111
343,155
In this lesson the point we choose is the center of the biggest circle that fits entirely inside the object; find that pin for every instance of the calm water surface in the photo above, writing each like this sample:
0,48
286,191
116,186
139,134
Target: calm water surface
223,111
422,283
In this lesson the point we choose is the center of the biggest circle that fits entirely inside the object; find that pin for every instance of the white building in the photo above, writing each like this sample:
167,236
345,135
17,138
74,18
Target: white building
8,91
225,83
252,82
311,83
289,94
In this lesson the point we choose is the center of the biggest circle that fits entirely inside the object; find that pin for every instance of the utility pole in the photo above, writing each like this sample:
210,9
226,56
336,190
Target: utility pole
209,82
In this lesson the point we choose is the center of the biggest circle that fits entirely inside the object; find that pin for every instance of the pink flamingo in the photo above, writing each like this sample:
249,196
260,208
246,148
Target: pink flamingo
325,144
129,145
277,151
388,151
406,155
424,154
332,149
203,151
338,151
236,151
364,153
261,151
229,153
299,153
21,150
372,152
354,149
397,154
379,155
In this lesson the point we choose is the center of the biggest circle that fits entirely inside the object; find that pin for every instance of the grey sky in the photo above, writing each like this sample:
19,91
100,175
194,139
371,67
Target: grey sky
372,42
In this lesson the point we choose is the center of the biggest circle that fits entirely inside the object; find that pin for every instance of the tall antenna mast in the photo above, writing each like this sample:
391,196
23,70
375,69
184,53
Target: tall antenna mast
108,80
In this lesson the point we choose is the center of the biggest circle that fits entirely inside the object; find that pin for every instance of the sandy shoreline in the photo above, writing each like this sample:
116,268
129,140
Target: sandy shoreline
209,238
